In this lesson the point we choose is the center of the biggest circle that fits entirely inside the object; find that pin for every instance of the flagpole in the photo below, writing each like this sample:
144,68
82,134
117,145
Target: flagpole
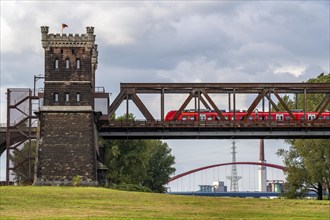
63,26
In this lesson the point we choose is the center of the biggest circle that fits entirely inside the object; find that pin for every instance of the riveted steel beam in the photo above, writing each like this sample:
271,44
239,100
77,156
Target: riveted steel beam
142,107
325,102
285,106
116,103
214,106
254,104
272,102
183,106
228,87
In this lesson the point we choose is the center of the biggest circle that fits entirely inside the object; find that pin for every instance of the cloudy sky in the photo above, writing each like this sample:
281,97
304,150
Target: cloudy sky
176,41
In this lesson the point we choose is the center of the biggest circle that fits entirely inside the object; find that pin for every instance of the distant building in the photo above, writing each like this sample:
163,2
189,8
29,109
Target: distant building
275,186
217,186
205,188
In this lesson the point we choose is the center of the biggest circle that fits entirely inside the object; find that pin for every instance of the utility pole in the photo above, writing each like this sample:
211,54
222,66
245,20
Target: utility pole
234,178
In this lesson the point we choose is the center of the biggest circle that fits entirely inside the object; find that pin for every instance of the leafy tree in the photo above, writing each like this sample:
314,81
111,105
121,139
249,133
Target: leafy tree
146,163
307,161
159,166
127,161
308,167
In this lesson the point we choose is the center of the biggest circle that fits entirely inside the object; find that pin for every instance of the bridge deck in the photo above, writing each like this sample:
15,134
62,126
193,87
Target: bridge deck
214,129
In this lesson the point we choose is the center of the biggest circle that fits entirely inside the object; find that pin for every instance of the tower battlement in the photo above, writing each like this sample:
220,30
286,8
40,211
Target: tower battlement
65,40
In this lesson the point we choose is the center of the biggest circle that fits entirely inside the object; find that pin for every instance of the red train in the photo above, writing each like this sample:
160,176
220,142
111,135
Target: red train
209,115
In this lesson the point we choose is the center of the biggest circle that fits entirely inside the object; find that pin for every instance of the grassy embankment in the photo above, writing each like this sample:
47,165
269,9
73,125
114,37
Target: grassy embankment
100,203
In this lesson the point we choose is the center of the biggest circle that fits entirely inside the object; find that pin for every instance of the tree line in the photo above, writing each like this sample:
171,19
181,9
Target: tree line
307,161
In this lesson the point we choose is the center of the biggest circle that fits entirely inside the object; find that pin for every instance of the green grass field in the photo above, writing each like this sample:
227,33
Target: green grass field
101,203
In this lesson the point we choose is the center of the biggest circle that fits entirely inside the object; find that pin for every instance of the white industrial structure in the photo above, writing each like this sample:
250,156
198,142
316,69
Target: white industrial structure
262,172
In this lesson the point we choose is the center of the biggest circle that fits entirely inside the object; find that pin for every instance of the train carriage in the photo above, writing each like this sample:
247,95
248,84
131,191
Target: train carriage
208,115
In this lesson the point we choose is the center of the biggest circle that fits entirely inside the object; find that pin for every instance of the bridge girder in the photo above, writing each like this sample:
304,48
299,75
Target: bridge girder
201,92
130,91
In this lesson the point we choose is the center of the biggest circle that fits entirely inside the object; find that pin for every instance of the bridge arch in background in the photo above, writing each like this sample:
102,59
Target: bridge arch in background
226,164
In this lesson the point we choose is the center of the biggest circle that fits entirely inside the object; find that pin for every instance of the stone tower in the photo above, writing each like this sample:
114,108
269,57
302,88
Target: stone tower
67,144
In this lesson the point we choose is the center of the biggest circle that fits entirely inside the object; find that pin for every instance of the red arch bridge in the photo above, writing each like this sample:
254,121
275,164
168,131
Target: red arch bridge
242,193
225,164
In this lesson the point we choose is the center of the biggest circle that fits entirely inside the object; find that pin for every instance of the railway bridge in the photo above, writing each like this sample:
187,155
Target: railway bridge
209,97
23,104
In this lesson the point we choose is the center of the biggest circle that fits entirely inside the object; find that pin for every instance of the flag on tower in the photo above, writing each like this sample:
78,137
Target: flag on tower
64,26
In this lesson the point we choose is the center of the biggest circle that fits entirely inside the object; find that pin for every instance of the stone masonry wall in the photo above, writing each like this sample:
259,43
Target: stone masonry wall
72,89
73,73
66,149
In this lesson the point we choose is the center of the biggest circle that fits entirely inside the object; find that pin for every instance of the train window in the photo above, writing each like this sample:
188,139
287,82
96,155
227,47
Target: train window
218,118
270,118
287,118
192,118
202,117
327,117
321,118
226,117
250,118
184,118
279,117
311,117
209,118
302,118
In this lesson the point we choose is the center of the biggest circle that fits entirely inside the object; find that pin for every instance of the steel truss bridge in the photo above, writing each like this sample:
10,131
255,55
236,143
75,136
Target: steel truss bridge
202,95
22,123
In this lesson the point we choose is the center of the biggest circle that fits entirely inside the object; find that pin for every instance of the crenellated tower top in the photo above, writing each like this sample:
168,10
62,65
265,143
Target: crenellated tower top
70,47
70,40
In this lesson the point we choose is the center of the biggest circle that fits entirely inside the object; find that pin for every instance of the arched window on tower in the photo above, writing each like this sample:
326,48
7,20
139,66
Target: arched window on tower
78,63
67,63
56,64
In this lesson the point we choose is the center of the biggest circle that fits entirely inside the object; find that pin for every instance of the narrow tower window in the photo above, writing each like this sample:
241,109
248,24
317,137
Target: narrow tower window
67,97
67,63
56,64
78,64
78,97
56,97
